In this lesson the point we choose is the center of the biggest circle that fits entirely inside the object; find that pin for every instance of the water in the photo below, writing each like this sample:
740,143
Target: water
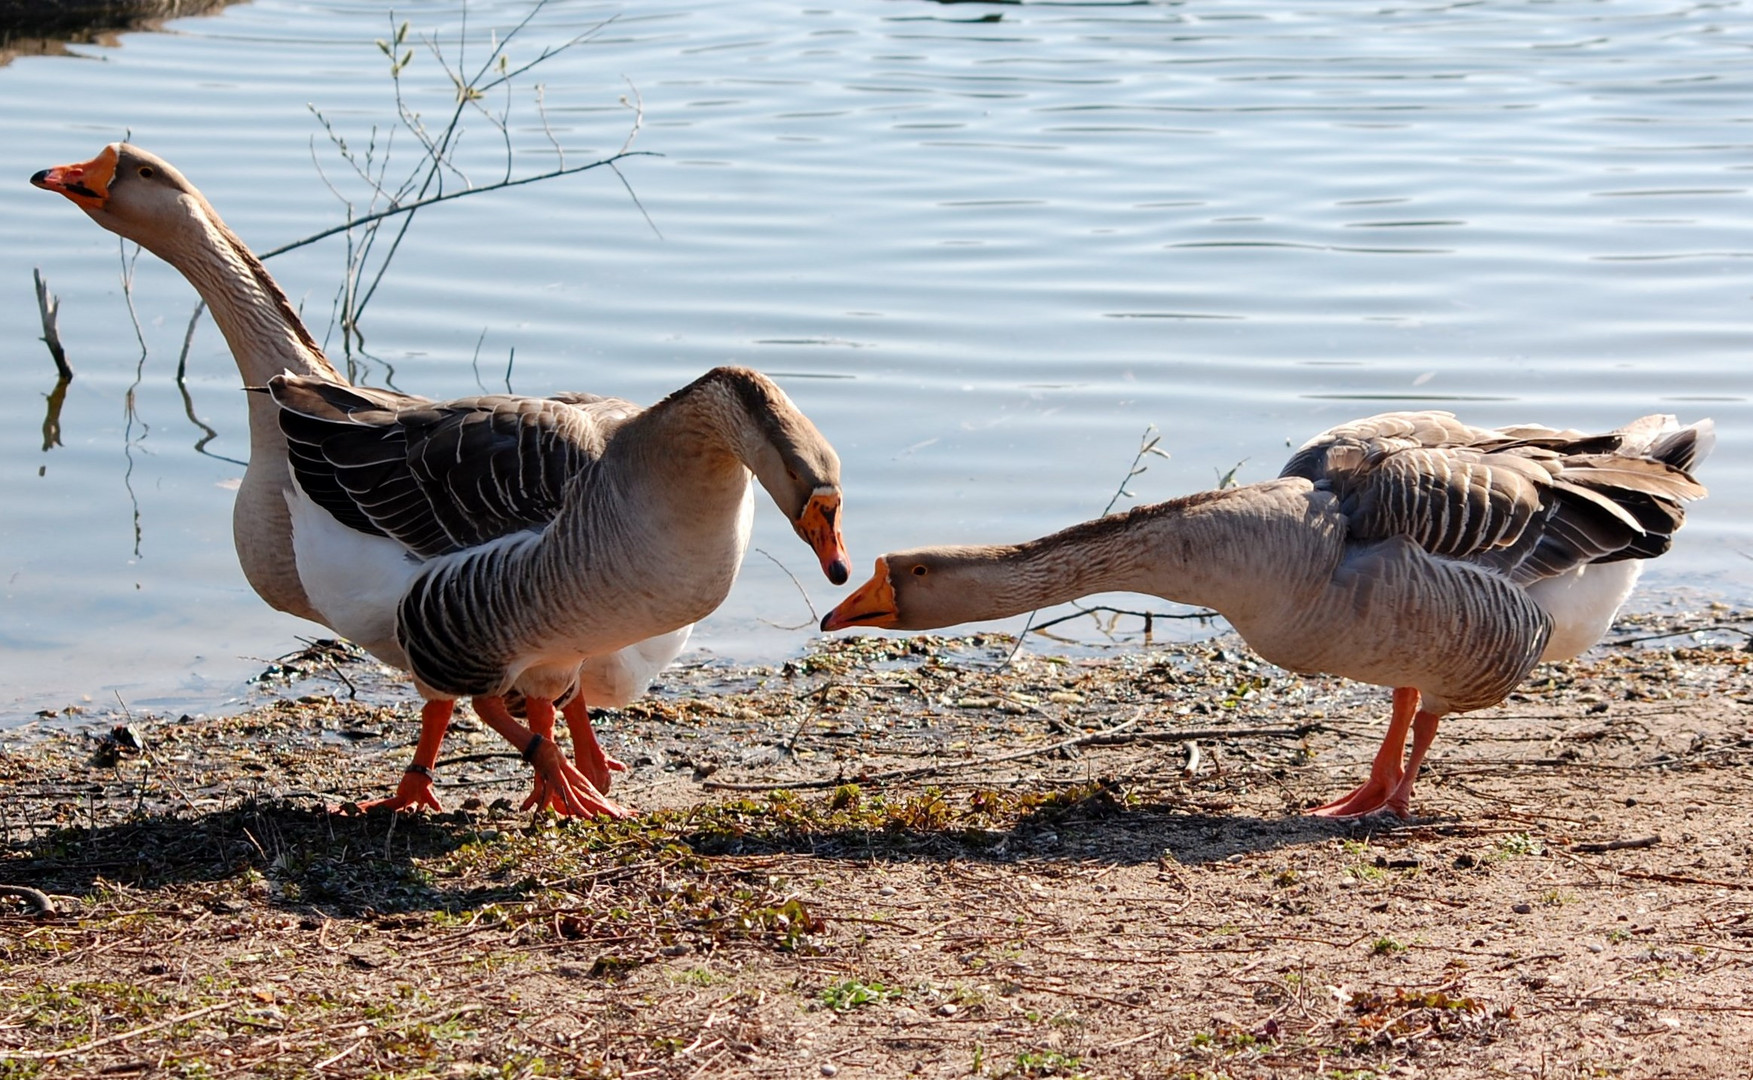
982,246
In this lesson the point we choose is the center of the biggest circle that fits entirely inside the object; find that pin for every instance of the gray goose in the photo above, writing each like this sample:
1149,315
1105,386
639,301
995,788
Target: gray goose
1408,550
141,197
496,543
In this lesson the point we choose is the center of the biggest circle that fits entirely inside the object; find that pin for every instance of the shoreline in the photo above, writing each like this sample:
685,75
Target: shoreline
892,857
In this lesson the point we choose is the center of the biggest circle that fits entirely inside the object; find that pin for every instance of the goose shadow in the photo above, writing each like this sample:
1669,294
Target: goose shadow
304,859
1091,826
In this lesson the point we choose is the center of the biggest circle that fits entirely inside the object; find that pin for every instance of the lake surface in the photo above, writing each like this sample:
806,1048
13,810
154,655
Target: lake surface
983,246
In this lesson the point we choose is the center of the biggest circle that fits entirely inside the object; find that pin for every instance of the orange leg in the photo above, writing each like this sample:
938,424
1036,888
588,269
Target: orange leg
558,783
1386,774
587,753
541,717
415,789
1423,734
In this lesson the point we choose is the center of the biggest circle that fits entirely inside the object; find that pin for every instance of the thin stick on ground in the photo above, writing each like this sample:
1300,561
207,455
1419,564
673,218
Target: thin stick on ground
51,1055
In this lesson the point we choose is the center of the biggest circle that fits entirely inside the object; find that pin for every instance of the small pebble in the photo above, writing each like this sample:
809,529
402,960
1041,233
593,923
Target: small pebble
830,1069
886,890
1522,909
948,1008
1595,947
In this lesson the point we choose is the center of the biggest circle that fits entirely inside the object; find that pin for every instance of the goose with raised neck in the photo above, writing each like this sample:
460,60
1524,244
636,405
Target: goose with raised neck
1408,550
141,197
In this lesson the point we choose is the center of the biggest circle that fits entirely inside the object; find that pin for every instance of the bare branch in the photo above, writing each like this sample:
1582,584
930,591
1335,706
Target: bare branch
1147,444
421,204
815,619
50,306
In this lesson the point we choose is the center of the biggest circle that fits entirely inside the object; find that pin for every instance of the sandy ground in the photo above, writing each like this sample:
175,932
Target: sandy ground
897,858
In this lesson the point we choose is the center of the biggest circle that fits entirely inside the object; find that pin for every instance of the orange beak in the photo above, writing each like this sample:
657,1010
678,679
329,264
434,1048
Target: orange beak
87,183
872,604
819,525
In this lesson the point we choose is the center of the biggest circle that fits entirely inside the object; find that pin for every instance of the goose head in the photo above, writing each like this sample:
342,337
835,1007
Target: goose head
924,589
801,473
776,442
133,193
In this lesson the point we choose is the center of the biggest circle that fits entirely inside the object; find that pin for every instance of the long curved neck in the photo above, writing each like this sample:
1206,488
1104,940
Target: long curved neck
1227,550
264,333
1000,581
266,338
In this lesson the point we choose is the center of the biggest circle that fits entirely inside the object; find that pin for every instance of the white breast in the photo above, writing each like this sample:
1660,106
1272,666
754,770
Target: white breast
353,579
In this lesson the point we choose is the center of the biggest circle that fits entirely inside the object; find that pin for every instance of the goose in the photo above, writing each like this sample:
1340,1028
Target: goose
1408,550
495,543
141,197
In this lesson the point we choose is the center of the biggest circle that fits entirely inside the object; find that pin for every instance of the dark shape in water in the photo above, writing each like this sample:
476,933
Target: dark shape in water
40,27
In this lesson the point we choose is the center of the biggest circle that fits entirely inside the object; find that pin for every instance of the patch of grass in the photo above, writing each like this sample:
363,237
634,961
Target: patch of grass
1046,1063
1386,946
1515,845
1367,872
854,993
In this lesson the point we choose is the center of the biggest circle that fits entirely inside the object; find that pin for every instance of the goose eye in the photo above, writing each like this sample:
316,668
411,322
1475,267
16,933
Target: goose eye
147,172
919,571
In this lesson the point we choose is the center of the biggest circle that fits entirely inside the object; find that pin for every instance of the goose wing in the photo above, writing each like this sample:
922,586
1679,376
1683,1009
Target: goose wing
1529,501
436,476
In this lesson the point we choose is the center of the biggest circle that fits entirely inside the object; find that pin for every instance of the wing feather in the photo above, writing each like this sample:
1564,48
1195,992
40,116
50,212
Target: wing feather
1531,502
439,477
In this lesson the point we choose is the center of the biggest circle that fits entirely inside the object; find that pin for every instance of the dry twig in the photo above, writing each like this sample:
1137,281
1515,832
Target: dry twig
50,306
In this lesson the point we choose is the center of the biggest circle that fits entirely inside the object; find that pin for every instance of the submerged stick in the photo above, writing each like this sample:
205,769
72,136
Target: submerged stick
50,306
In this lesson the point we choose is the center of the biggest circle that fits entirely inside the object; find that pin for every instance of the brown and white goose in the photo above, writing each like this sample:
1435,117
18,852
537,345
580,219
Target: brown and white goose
1407,550
140,197
496,543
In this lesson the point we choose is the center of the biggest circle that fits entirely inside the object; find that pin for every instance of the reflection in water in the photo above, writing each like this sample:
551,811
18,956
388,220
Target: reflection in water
52,417
207,433
46,27
131,398
128,444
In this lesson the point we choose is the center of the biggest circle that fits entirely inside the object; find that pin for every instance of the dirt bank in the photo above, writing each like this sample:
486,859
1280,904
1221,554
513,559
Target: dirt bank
894,858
